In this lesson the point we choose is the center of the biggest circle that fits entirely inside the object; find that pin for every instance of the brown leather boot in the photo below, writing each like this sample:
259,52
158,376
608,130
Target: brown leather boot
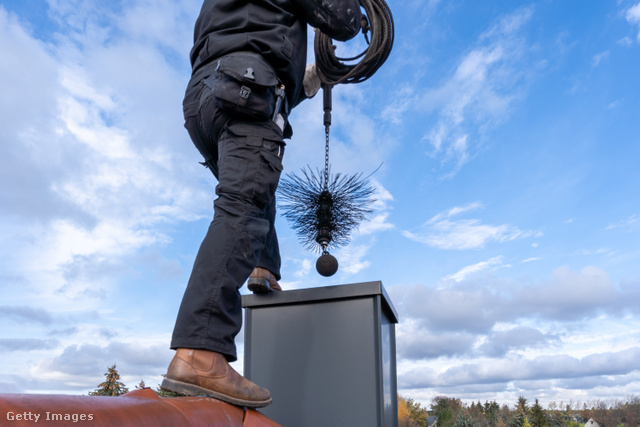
204,372
262,280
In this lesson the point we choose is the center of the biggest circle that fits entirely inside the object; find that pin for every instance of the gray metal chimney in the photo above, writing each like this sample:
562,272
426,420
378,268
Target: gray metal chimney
328,355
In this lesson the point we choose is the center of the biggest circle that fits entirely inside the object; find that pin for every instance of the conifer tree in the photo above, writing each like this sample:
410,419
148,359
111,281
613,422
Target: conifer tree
522,405
463,419
538,417
492,412
519,419
111,386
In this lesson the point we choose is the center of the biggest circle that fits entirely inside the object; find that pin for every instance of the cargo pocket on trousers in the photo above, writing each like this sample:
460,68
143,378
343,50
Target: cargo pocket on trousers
264,149
271,169
233,165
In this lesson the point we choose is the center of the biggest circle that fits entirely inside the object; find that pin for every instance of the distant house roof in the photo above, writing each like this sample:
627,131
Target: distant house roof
432,421
591,423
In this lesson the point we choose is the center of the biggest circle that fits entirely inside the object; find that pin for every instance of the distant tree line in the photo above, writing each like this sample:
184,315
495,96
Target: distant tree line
450,412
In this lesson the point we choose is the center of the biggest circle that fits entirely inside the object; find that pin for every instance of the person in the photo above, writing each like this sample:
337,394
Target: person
248,46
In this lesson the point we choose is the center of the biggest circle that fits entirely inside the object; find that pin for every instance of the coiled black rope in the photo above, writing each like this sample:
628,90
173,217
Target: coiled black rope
376,20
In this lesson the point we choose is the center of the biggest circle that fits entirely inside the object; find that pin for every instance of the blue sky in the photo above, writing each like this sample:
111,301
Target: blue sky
507,218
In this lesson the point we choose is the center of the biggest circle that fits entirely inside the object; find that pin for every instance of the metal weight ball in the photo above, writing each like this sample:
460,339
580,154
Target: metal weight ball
327,265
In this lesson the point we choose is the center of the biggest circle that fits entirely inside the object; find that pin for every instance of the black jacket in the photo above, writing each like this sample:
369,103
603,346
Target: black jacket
274,28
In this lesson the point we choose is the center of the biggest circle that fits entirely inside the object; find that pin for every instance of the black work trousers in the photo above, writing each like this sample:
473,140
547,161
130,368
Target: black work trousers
246,158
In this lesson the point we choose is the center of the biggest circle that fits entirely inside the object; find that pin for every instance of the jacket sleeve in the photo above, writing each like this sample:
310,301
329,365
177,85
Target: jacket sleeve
338,19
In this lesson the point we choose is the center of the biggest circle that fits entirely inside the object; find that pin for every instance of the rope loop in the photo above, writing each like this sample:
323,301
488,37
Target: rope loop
376,20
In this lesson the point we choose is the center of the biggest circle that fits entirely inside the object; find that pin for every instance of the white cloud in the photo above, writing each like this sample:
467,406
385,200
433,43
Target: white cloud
499,343
414,342
444,232
625,41
91,172
481,305
378,221
461,307
597,59
477,95
351,258
628,223
471,269
510,24
544,367
548,377
633,16
160,22
575,295
395,111
80,366
375,224
26,344
614,104
87,127
488,338
22,314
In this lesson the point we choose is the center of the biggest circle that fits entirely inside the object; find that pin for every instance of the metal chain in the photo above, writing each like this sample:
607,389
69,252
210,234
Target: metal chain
326,158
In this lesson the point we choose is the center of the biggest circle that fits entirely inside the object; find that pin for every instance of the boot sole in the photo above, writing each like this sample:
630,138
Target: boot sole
194,390
259,286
